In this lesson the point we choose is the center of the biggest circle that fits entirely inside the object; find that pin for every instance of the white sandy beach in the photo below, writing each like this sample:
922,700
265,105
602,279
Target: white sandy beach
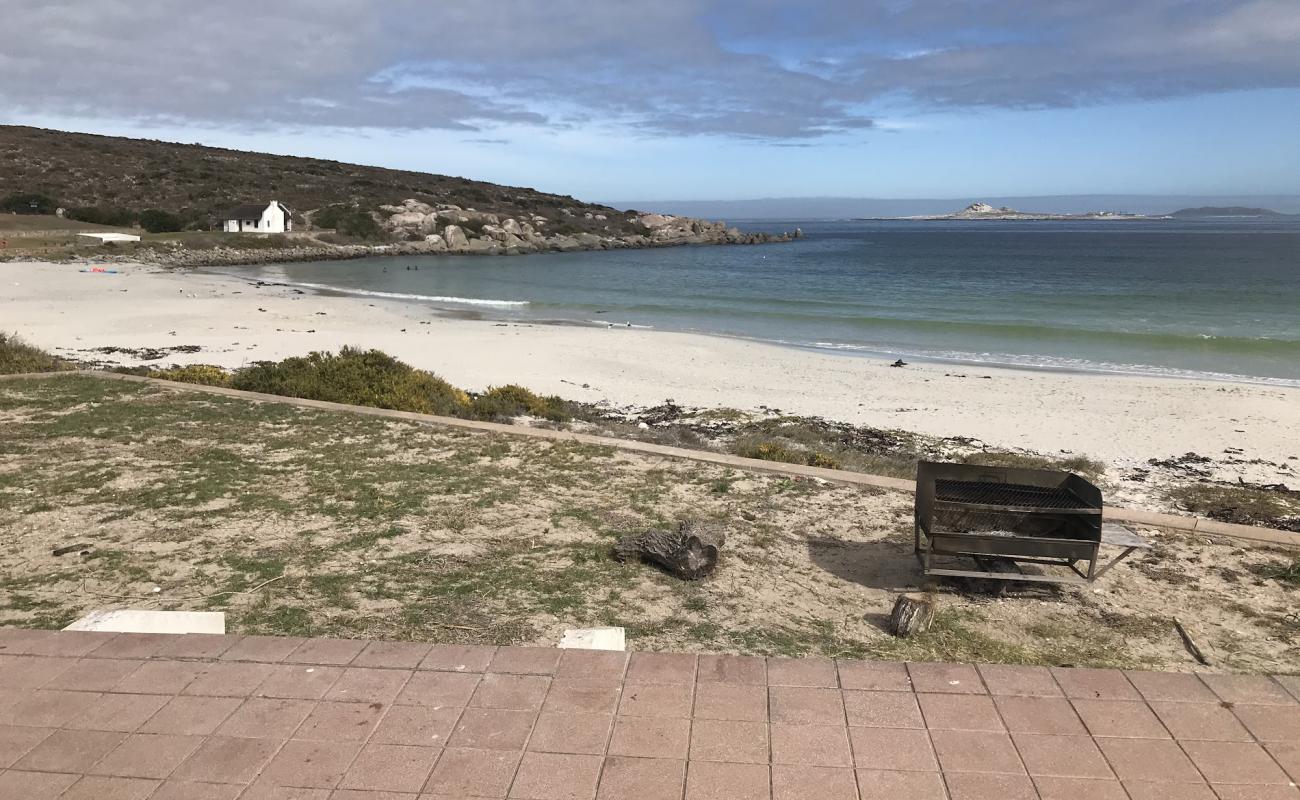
1122,420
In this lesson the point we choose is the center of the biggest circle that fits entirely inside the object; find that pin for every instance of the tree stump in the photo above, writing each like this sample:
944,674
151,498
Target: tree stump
690,552
913,613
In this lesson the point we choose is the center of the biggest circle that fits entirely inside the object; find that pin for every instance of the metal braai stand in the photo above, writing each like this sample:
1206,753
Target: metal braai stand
1004,517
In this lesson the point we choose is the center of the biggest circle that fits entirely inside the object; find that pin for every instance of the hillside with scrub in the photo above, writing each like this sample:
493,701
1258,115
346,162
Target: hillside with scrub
340,210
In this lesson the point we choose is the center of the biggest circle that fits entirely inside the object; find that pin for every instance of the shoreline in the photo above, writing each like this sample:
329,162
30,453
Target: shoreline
481,309
1051,369
1121,419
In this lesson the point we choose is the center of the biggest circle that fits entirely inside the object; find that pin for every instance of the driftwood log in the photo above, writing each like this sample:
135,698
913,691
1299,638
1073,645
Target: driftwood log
690,552
913,614
1188,642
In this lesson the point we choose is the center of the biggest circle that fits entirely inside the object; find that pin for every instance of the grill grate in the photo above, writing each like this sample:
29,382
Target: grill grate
1007,494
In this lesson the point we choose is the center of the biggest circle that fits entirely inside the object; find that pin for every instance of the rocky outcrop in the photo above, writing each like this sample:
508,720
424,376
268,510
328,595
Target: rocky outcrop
465,230
422,229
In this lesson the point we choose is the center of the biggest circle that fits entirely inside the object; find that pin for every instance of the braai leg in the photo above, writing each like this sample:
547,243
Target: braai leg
1106,567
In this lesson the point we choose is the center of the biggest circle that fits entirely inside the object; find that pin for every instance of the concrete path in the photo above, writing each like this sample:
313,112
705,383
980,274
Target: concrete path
99,716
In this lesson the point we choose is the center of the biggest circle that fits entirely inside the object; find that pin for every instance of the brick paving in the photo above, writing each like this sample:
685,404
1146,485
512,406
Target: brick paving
141,717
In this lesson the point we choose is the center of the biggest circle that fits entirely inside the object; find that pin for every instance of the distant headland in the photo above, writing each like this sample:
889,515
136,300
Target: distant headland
1221,212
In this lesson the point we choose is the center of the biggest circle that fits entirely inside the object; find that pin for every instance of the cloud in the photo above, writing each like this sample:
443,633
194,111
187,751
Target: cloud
757,69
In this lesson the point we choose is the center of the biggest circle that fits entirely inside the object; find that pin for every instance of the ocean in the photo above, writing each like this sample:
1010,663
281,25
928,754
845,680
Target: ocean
1217,299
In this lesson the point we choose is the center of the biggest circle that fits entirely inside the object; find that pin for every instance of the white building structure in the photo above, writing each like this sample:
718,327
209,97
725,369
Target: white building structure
273,217
106,238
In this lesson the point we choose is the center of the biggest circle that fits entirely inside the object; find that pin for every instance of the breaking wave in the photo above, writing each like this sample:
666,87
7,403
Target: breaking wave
423,298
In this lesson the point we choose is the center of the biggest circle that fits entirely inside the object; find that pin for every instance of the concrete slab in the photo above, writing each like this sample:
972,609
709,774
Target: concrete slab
593,639
105,238
126,620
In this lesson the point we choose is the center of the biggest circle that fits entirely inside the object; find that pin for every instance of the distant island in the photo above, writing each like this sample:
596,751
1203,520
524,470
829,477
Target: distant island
984,211
1218,212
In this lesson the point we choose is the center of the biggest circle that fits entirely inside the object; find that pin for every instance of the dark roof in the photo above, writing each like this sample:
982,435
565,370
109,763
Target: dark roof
247,211
250,211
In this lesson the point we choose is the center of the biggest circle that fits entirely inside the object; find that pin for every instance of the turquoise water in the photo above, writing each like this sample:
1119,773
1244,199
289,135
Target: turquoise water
1202,299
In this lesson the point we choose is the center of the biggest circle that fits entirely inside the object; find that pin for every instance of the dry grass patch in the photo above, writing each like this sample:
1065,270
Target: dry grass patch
296,521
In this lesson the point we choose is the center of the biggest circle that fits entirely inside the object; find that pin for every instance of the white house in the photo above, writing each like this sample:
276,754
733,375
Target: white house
273,217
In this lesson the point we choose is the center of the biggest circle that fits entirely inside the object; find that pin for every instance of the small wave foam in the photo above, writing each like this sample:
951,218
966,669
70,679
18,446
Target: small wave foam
606,323
423,298
1043,362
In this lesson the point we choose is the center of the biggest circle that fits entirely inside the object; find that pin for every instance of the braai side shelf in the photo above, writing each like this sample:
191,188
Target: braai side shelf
1003,517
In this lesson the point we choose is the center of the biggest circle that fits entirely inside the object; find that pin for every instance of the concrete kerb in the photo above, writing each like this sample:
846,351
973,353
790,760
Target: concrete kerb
1171,522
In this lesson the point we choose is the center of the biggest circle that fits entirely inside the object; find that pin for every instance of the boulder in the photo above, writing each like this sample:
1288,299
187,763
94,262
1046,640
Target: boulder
481,244
455,237
435,243
656,220
515,245
512,227
406,219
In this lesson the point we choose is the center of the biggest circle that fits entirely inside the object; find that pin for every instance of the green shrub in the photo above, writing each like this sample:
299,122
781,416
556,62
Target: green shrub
119,217
825,460
28,203
328,217
349,221
156,220
355,377
1082,465
504,402
767,449
204,374
16,356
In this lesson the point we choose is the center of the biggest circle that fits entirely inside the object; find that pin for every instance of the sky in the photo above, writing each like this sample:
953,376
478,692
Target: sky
695,99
